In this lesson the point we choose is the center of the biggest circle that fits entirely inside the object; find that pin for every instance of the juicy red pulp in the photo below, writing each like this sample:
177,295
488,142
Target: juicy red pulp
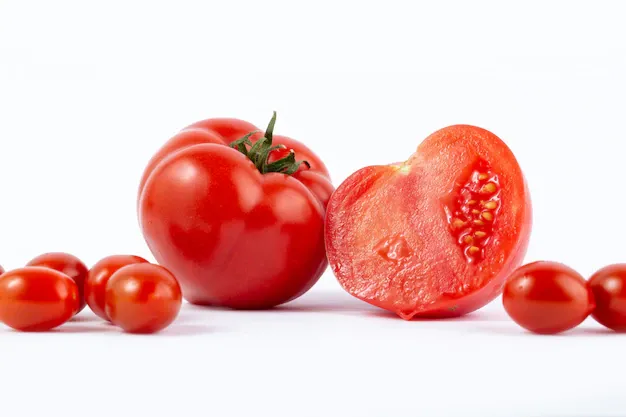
435,236
472,209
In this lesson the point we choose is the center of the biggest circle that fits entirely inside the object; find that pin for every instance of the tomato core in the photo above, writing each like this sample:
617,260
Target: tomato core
472,209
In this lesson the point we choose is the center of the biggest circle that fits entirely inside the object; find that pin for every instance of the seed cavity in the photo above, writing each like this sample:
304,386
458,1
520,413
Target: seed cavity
472,209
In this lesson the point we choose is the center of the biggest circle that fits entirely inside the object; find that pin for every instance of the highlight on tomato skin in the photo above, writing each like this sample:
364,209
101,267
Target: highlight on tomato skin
36,299
99,275
609,290
434,236
142,298
547,297
68,264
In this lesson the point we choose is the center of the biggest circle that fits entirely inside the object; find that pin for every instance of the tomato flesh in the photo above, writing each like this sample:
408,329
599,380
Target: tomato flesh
434,236
547,297
609,289
37,298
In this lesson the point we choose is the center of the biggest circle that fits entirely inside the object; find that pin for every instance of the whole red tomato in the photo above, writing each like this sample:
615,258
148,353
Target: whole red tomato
609,290
68,264
37,298
240,226
99,275
436,235
142,298
547,297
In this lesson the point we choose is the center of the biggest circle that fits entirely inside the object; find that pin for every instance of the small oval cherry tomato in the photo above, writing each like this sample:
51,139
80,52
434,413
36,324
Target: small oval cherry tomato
98,276
609,290
143,298
68,264
36,298
547,297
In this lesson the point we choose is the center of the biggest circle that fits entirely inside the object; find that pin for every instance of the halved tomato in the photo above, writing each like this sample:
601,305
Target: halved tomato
437,235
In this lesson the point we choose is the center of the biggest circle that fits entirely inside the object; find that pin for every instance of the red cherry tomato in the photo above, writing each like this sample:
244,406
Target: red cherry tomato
609,290
67,264
233,232
437,235
37,298
98,276
547,297
142,298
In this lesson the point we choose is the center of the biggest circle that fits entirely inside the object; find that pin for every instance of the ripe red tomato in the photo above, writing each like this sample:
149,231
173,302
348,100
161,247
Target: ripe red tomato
609,290
547,297
142,298
434,236
37,298
68,264
98,276
236,233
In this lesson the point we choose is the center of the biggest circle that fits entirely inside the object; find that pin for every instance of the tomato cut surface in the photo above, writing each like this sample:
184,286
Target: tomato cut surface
437,235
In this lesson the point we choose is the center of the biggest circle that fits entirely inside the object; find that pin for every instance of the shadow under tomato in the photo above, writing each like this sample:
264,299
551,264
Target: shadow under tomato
577,332
80,318
181,329
476,316
80,328
340,302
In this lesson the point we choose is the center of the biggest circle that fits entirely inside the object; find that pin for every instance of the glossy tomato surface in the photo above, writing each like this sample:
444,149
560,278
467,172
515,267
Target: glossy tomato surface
37,298
142,298
223,131
68,264
547,297
609,290
98,276
233,236
436,235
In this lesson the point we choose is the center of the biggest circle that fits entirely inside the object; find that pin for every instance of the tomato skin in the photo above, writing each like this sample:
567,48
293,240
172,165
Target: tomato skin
223,131
209,215
68,264
230,129
609,290
99,275
547,297
37,298
142,298
388,230
198,204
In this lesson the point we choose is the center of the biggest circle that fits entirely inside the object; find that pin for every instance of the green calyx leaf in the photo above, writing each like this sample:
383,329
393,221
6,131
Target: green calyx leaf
260,151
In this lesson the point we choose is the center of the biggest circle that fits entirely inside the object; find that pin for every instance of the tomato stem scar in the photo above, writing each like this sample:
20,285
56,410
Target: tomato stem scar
260,151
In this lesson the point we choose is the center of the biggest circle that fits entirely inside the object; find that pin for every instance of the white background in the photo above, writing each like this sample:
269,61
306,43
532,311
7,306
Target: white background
88,92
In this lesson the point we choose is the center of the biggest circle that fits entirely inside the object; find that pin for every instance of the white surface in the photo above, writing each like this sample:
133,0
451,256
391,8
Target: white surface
87,93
